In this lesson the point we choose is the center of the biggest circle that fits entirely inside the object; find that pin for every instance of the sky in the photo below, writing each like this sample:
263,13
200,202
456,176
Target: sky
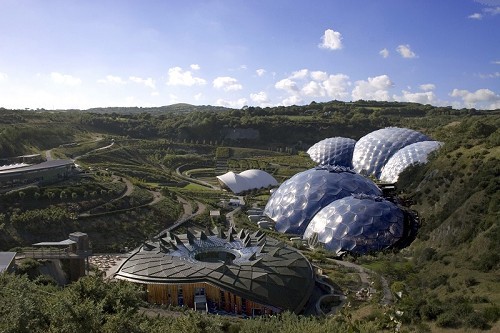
79,54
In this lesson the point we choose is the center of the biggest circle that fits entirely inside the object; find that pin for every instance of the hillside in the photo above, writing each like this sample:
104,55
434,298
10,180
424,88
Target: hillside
448,277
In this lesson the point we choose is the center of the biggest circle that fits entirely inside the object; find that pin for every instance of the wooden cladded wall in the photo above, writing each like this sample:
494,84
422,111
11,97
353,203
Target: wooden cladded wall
223,300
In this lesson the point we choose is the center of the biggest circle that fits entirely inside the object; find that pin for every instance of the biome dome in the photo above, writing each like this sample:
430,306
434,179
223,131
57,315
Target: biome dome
409,155
372,151
297,200
333,151
358,224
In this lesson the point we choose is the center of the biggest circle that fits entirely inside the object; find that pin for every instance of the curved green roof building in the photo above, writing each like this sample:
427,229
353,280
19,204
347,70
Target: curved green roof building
239,272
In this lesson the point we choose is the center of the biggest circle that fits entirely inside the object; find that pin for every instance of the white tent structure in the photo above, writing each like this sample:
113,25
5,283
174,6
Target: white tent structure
246,180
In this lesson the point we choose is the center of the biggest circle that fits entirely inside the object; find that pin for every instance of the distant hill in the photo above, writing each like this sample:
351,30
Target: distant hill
174,108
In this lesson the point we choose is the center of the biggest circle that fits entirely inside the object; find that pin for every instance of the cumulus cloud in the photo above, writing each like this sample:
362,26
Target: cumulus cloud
384,53
427,97
405,51
112,79
3,77
179,77
300,74
375,88
331,40
305,83
292,100
287,84
237,104
260,72
149,82
260,97
476,16
195,67
319,75
427,87
65,79
198,96
227,83
480,97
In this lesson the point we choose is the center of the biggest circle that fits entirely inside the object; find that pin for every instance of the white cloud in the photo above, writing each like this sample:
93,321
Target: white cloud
375,88
299,74
427,87
260,72
260,98
112,79
480,97
198,96
476,16
178,77
195,67
237,104
492,10
384,53
497,62
149,82
427,97
331,40
336,86
286,84
227,83
292,100
312,89
155,93
65,79
490,75
305,83
319,76
3,77
405,51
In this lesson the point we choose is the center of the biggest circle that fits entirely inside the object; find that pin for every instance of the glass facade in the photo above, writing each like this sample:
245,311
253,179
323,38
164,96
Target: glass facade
333,151
357,224
373,150
412,154
297,200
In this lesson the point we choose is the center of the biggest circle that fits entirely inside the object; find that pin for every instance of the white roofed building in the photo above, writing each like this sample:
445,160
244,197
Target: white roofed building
246,180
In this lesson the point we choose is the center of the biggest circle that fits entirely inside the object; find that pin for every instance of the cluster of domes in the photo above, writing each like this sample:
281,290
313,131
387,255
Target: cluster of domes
297,200
370,155
338,205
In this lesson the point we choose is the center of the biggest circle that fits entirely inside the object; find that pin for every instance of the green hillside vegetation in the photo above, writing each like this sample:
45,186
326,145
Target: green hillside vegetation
447,278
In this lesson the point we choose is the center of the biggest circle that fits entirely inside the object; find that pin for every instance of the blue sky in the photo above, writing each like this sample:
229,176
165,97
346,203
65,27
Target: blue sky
87,53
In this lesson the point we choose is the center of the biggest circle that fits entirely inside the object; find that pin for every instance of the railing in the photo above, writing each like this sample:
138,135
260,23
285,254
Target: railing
55,253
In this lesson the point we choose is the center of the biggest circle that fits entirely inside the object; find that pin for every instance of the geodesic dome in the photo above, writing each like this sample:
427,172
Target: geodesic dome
411,154
297,200
333,151
358,224
373,150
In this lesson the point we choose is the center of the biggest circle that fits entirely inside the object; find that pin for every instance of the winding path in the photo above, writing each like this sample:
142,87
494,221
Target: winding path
364,275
